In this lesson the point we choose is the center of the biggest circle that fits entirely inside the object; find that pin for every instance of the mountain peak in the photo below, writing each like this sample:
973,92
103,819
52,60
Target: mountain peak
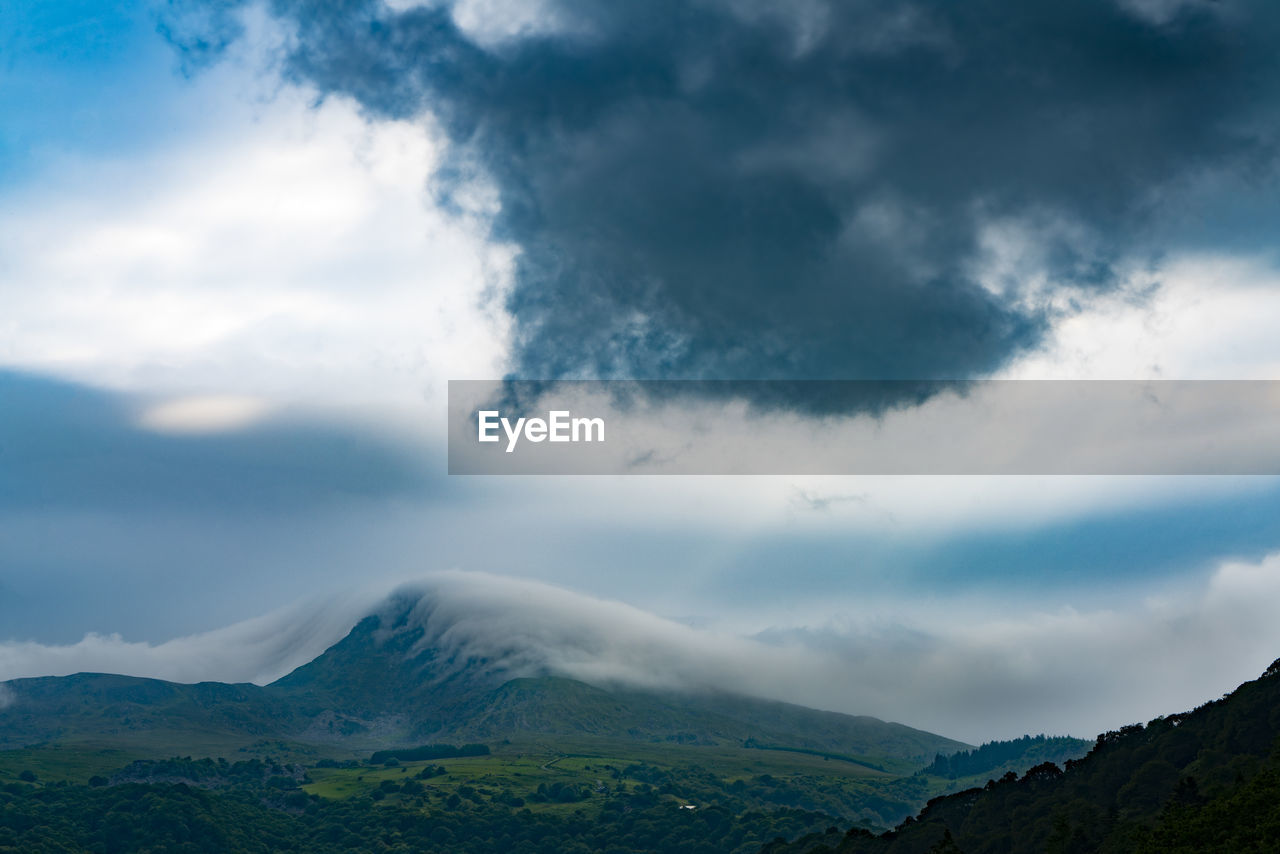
400,653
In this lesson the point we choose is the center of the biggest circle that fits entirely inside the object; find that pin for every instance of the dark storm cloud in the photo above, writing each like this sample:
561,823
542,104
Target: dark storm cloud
733,189
66,447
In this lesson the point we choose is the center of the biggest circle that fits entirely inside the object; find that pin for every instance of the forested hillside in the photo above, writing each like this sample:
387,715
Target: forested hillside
997,757
1205,780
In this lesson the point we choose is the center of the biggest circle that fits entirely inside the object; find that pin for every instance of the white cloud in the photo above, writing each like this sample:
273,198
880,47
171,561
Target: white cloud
209,414
1203,316
978,677
493,23
286,250
256,650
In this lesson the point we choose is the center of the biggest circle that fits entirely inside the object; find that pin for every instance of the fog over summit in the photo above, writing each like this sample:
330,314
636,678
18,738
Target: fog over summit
525,628
970,677
513,626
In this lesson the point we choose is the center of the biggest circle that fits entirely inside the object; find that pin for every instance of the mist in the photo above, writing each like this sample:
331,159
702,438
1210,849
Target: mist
984,676
256,650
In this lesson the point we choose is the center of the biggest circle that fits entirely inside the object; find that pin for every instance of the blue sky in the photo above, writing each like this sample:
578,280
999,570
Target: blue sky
83,79
236,281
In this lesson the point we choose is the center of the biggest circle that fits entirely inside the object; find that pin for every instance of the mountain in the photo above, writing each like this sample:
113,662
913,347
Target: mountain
395,679
579,766
129,709
383,672
1201,781
996,758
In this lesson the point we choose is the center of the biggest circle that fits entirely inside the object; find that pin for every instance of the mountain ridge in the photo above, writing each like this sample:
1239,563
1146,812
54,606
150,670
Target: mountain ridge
391,682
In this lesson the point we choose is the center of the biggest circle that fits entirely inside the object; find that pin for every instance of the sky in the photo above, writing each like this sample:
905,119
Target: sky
244,247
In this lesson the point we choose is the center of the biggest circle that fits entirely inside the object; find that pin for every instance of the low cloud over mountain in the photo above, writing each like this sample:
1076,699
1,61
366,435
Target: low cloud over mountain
974,679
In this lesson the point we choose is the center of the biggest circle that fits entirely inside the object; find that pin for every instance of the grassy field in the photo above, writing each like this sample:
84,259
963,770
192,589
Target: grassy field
531,774
56,762
77,761
684,774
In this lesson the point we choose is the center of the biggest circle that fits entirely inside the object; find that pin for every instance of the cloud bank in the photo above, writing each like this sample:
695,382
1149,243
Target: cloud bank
854,190
69,446
263,245
973,678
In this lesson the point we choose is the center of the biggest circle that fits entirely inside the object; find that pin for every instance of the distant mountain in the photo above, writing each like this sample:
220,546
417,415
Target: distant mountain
392,682
997,757
1202,781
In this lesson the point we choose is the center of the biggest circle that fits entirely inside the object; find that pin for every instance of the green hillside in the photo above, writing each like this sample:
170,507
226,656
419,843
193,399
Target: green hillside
130,710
